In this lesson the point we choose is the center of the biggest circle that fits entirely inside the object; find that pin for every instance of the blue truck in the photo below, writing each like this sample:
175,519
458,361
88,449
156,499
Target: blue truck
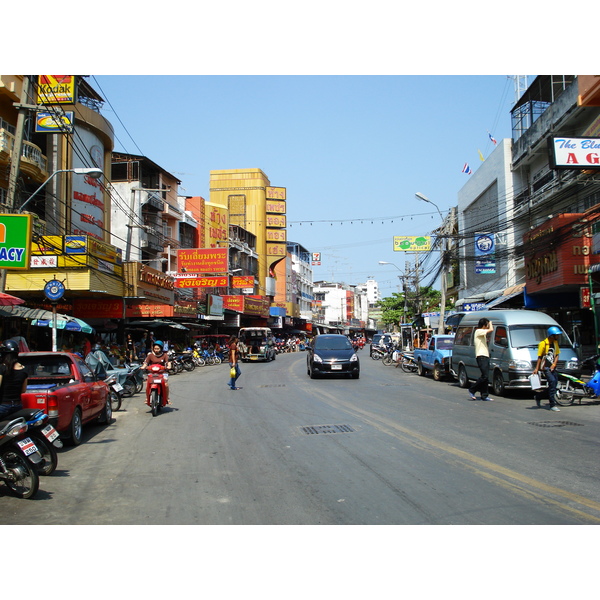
436,357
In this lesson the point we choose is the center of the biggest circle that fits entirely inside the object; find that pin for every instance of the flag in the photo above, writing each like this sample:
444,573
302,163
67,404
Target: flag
467,169
492,138
480,156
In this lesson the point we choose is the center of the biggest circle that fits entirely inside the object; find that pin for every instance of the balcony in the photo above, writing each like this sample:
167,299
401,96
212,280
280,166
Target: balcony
33,162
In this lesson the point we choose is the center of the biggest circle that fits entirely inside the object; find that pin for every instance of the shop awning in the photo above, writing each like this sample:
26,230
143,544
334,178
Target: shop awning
157,323
43,318
508,293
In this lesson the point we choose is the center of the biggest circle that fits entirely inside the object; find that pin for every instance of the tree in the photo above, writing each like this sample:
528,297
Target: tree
392,309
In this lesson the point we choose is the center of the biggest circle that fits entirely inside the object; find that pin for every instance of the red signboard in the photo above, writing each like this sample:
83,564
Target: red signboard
200,282
148,310
558,253
99,309
234,303
242,282
202,260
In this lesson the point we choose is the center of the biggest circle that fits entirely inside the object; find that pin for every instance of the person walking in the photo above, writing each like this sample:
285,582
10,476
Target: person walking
548,351
234,362
482,355
13,379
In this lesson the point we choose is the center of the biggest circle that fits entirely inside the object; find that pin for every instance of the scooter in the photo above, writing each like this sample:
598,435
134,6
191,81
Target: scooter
18,459
44,435
155,388
570,387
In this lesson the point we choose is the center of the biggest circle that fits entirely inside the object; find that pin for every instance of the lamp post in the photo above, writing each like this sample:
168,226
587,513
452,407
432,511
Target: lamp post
403,278
94,172
441,327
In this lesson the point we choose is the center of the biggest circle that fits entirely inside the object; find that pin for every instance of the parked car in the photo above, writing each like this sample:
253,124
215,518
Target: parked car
379,340
332,354
436,357
64,387
513,348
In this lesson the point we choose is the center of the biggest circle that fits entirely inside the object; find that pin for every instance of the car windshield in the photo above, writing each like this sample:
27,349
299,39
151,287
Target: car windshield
523,336
337,343
445,344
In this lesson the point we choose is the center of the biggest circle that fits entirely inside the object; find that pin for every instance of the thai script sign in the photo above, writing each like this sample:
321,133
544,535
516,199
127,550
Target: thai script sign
275,193
202,260
275,206
200,282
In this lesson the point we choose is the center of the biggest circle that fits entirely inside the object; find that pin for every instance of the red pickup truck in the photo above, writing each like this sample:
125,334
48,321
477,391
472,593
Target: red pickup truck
63,386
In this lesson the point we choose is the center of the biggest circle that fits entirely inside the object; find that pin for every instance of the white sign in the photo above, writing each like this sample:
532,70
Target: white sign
574,153
45,261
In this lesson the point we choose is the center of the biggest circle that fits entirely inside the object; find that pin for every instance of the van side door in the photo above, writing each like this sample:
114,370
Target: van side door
499,354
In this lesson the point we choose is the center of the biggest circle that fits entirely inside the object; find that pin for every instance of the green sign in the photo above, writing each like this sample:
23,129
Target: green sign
15,241
410,243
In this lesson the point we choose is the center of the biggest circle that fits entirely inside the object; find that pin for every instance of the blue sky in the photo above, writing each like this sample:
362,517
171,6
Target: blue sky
347,148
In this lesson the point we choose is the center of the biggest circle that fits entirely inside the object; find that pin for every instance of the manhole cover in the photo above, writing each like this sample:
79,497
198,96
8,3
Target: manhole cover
555,424
315,429
273,385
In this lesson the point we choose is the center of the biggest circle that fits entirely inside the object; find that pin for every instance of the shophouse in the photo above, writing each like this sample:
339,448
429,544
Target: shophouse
56,150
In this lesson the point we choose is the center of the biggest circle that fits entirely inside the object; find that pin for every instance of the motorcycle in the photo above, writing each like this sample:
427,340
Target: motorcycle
390,356
187,361
44,435
408,363
115,391
198,358
570,387
155,388
19,457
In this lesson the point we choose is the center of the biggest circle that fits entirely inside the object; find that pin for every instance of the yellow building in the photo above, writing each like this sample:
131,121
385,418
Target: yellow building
257,207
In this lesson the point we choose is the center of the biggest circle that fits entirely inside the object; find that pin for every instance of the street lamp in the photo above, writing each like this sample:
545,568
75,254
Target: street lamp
441,326
91,171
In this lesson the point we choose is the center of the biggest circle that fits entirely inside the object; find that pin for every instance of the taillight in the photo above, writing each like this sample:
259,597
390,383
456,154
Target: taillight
52,406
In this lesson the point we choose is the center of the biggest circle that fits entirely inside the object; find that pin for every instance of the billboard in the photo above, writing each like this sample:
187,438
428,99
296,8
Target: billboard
202,260
574,153
15,241
410,243
56,89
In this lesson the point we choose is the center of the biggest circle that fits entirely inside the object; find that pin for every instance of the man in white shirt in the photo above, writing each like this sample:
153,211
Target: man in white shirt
482,355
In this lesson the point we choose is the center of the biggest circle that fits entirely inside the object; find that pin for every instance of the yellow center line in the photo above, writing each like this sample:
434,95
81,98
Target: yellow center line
469,460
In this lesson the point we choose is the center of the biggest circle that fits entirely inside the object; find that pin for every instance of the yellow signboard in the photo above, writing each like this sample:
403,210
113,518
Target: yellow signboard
275,193
410,243
56,89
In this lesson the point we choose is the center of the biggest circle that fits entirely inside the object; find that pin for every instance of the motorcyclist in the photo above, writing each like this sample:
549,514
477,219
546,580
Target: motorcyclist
13,379
157,356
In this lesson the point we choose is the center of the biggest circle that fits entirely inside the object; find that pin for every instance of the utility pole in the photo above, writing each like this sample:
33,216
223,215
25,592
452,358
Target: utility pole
15,161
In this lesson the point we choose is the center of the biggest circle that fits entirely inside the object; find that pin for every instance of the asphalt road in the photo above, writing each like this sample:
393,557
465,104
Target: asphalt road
388,448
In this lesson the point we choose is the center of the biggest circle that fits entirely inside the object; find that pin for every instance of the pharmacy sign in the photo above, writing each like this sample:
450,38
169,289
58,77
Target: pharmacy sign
15,241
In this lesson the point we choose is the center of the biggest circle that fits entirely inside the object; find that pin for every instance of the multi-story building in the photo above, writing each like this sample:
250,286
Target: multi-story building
300,279
534,217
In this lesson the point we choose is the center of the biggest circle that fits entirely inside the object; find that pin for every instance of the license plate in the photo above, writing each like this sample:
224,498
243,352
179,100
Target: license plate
27,446
117,387
50,433
336,367
157,381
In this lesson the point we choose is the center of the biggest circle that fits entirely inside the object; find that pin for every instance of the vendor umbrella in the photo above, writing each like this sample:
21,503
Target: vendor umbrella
8,300
65,322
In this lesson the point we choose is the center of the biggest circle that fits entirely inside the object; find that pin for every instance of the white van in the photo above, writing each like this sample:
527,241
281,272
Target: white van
513,348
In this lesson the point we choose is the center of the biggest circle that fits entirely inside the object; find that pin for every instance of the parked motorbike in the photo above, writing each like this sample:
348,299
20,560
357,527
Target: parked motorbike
390,356
155,388
570,387
18,459
115,391
44,435
198,358
187,361
408,362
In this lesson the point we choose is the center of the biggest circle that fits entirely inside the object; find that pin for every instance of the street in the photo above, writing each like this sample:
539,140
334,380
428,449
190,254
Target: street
398,449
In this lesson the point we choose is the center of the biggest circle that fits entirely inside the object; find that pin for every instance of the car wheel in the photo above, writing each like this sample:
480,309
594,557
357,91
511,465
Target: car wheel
420,369
106,415
437,372
498,384
463,380
75,428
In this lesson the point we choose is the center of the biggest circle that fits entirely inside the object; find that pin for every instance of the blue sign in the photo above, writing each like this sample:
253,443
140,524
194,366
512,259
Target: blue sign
54,290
